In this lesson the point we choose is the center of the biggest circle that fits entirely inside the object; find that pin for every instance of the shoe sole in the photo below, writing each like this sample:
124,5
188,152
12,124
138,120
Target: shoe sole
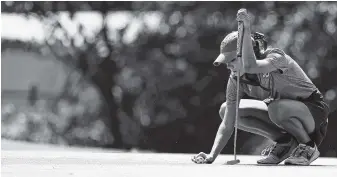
313,158
261,163
275,163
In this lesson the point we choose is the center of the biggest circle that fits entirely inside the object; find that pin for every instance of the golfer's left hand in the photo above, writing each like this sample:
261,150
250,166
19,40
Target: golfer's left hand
243,16
203,158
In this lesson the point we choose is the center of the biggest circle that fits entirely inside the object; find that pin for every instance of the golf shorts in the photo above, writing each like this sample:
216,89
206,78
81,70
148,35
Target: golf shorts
319,111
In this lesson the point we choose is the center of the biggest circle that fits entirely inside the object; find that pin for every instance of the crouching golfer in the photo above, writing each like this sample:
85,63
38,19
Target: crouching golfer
284,105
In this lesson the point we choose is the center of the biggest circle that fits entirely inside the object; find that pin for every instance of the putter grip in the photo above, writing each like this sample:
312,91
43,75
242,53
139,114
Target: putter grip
240,39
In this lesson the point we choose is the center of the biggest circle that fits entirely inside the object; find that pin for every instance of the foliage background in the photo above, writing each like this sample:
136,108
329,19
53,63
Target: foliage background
158,91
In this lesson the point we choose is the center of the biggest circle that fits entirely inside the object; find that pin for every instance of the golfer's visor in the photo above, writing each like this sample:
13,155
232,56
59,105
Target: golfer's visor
221,59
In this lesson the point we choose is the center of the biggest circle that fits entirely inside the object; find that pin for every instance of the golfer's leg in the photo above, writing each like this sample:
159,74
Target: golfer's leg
294,117
254,118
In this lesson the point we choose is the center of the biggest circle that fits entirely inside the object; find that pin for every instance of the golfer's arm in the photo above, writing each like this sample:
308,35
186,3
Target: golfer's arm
248,56
250,64
225,131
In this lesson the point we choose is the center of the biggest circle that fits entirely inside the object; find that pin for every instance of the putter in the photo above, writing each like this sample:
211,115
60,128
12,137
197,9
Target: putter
238,55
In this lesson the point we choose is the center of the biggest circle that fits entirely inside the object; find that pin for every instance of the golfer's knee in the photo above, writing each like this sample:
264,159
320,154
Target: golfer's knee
222,110
278,111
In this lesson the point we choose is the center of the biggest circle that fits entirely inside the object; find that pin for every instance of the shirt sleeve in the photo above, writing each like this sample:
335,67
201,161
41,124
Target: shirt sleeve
279,60
231,92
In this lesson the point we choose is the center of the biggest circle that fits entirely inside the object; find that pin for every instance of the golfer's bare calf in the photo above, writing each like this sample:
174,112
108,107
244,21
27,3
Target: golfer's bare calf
254,118
292,116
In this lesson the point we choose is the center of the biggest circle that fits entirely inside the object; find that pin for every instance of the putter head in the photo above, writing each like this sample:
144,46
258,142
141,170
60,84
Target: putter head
233,162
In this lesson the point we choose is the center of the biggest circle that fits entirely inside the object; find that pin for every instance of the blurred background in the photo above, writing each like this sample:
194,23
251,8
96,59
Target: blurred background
139,75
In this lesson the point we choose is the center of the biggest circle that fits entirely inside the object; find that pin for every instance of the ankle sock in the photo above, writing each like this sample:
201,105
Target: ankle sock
310,143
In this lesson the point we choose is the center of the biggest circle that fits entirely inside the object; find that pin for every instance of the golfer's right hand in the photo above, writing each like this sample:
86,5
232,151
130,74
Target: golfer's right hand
203,158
